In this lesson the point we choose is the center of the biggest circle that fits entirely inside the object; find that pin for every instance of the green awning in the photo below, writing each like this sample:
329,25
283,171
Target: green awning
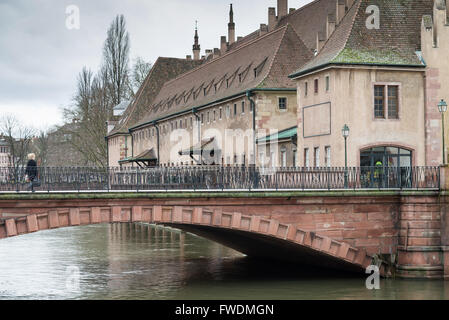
287,134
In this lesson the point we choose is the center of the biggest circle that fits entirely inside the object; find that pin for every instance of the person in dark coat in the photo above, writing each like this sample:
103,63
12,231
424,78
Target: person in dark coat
31,171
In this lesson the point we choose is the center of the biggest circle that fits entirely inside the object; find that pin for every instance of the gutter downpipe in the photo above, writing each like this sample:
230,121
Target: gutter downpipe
158,144
198,121
249,94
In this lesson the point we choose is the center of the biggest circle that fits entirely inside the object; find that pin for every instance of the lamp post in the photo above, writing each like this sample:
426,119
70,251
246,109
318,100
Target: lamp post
345,133
442,107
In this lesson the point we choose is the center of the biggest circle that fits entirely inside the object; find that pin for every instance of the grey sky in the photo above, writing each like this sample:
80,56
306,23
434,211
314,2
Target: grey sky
40,58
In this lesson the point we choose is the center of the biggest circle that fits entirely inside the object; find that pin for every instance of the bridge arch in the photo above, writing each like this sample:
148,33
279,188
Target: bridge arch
250,234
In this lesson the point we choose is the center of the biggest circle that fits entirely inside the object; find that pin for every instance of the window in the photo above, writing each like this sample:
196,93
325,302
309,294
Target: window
379,111
202,118
393,102
328,156
235,109
228,111
284,157
215,116
208,117
180,124
221,113
327,83
243,107
316,86
262,159
317,157
282,103
191,122
386,101
306,158
306,88
295,157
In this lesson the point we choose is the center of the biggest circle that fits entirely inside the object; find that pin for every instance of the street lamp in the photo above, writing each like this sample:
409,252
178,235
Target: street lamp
345,133
442,107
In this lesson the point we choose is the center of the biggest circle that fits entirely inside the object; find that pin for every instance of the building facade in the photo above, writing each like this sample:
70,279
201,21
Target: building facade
383,79
281,95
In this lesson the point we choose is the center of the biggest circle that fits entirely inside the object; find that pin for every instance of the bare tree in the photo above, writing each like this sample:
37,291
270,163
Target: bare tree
41,146
140,71
19,139
96,97
116,60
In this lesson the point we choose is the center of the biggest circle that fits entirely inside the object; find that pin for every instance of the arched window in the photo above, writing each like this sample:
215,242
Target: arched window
386,157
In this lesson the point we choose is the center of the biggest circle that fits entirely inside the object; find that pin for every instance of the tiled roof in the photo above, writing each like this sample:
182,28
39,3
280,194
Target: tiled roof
307,22
262,63
310,19
395,43
163,70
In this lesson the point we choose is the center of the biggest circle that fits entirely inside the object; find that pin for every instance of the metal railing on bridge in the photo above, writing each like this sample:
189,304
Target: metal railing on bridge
81,179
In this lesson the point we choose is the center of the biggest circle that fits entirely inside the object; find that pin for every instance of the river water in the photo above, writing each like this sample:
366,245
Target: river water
136,261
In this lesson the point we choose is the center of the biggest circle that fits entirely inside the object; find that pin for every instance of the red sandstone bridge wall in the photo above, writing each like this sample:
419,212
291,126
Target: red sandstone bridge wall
410,228
370,223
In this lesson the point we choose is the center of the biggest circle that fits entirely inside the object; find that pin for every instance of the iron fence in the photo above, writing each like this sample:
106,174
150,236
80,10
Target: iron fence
76,179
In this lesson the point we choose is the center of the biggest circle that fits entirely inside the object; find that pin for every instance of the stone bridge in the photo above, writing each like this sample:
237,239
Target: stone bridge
406,233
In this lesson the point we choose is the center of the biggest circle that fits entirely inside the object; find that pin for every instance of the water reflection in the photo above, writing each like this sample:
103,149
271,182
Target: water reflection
136,261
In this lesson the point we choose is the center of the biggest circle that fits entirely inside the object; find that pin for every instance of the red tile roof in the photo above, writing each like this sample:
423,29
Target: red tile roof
395,43
262,63
163,70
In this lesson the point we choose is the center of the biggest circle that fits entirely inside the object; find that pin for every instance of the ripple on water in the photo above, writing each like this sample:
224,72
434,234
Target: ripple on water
127,261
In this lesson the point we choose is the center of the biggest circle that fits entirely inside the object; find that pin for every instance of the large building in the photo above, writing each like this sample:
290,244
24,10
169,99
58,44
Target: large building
381,72
280,95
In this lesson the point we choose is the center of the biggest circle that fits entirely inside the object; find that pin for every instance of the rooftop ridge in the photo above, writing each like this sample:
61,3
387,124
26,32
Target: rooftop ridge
358,3
276,52
225,55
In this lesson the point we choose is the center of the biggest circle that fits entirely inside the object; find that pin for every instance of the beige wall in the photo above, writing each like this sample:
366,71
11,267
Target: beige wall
119,148
435,50
351,101
233,132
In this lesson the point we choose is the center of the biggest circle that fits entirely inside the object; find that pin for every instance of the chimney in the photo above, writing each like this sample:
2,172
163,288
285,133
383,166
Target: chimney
239,38
196,45
216,52
291,10
271,19
231,27
223,45
209,52
340,10
188,57
282,8
320,40
330,25
263,29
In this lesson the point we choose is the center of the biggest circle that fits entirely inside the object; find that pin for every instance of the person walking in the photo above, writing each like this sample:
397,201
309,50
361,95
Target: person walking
31,171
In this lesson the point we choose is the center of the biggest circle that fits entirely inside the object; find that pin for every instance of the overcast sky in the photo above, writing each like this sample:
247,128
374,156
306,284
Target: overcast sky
40,57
